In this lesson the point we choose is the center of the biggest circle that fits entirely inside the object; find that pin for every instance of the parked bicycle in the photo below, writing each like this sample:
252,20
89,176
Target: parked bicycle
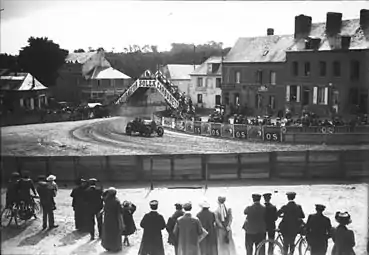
20,212
277,244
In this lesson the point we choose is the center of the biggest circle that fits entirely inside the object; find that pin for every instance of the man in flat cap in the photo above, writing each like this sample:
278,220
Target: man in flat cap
94,204
271,217
12,191
292,220
254,226
79,204
152,223
172,240
188,231
318,230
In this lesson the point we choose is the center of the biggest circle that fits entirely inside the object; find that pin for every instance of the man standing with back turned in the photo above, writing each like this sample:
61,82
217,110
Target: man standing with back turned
271,217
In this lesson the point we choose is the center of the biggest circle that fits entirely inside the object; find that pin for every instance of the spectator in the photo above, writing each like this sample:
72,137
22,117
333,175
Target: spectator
46,194
113,224
318,228
188,231
292,215
94,205
223,219
130,227
271,217
78,203
208,245
52,184
254,226
343,238
25,185
152,223
172,240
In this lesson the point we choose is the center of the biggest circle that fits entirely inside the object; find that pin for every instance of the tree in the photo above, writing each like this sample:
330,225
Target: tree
79,51
42,58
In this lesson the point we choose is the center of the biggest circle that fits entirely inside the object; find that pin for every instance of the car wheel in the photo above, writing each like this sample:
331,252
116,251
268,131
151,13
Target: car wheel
160,131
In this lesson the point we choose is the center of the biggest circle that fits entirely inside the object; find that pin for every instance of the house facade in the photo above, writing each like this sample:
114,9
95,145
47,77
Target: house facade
22,91
253,75
327,67
179,75
89,76
205,88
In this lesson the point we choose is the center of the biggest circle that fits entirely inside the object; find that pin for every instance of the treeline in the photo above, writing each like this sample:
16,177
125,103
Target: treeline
133,61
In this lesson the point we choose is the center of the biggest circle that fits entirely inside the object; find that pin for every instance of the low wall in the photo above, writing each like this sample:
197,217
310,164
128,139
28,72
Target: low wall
144,168
299,135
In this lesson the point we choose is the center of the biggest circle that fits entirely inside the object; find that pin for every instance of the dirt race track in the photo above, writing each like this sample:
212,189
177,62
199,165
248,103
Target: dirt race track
29,239
106,137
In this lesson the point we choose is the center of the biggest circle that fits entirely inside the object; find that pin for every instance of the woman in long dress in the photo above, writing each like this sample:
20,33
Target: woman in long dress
113,222
130,227
223,219
343,238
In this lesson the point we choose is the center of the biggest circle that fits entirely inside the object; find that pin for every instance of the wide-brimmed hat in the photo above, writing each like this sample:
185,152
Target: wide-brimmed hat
205,204
343,218
51,178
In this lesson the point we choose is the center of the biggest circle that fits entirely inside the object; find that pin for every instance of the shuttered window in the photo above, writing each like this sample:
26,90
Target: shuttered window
315,95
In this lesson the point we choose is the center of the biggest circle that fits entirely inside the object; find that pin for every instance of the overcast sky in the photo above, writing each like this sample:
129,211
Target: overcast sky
117,24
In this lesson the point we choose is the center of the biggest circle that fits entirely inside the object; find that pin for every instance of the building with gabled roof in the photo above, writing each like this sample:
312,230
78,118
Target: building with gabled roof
21,91
179,75
205,89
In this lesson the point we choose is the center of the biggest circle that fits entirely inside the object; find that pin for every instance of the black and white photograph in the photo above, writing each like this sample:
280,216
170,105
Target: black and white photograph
142,127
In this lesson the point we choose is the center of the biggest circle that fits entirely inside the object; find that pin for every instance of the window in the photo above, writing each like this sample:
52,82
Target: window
207,83
336,69
238,77
293,93
258,101
354,70
259,76
218,82
217,99
236,99
199,82
272,102
307,69
199,98
98,83
322,68
295,68
215,68
273,78
322,95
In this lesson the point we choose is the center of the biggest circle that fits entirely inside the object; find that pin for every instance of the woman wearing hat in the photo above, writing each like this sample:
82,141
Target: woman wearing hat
223,219
343,238
113,222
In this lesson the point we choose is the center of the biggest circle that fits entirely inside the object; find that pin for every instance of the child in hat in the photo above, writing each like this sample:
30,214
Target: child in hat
130,227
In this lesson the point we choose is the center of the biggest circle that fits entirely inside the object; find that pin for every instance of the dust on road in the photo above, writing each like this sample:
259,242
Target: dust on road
107,137
31,240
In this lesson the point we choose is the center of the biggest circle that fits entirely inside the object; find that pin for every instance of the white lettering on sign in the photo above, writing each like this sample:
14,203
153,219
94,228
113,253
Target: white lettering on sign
147,83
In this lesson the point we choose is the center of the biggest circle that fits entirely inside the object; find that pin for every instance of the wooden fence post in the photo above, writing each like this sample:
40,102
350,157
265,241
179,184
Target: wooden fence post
151,173
239,166
272,165
172,167
140,176
342,165
307,167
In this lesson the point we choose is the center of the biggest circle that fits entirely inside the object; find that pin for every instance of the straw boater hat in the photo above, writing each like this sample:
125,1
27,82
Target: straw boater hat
111,191
51,178
205,204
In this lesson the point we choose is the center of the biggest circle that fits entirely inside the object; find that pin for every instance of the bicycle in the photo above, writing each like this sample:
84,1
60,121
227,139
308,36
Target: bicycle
20,211
301,243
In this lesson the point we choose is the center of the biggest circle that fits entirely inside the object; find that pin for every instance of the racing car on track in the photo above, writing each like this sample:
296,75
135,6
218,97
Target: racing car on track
144,127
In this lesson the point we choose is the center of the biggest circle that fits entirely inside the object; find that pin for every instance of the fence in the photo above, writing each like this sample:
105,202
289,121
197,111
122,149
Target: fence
144,168
289,134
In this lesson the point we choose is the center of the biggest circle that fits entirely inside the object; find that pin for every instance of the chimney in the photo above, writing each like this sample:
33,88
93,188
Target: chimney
364,19
270,31
315,43
302,26
333,23
345,42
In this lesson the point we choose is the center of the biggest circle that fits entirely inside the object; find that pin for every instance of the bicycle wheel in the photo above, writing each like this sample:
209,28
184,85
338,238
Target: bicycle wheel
6,217
304,248
276,248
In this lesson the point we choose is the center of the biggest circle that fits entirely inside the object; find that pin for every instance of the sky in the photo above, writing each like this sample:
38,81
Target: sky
114,25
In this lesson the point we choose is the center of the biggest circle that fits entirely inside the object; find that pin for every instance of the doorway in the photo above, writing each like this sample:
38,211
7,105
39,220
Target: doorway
217,100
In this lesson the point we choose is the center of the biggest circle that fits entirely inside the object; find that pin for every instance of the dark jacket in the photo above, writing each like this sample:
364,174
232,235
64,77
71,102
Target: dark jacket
46,195
25,186
130,226
152,241
255,219
170,226
318,228
79,198
271,216
292,215
93,198
344,241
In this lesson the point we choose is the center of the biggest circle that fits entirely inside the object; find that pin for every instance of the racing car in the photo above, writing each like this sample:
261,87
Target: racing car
144,127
